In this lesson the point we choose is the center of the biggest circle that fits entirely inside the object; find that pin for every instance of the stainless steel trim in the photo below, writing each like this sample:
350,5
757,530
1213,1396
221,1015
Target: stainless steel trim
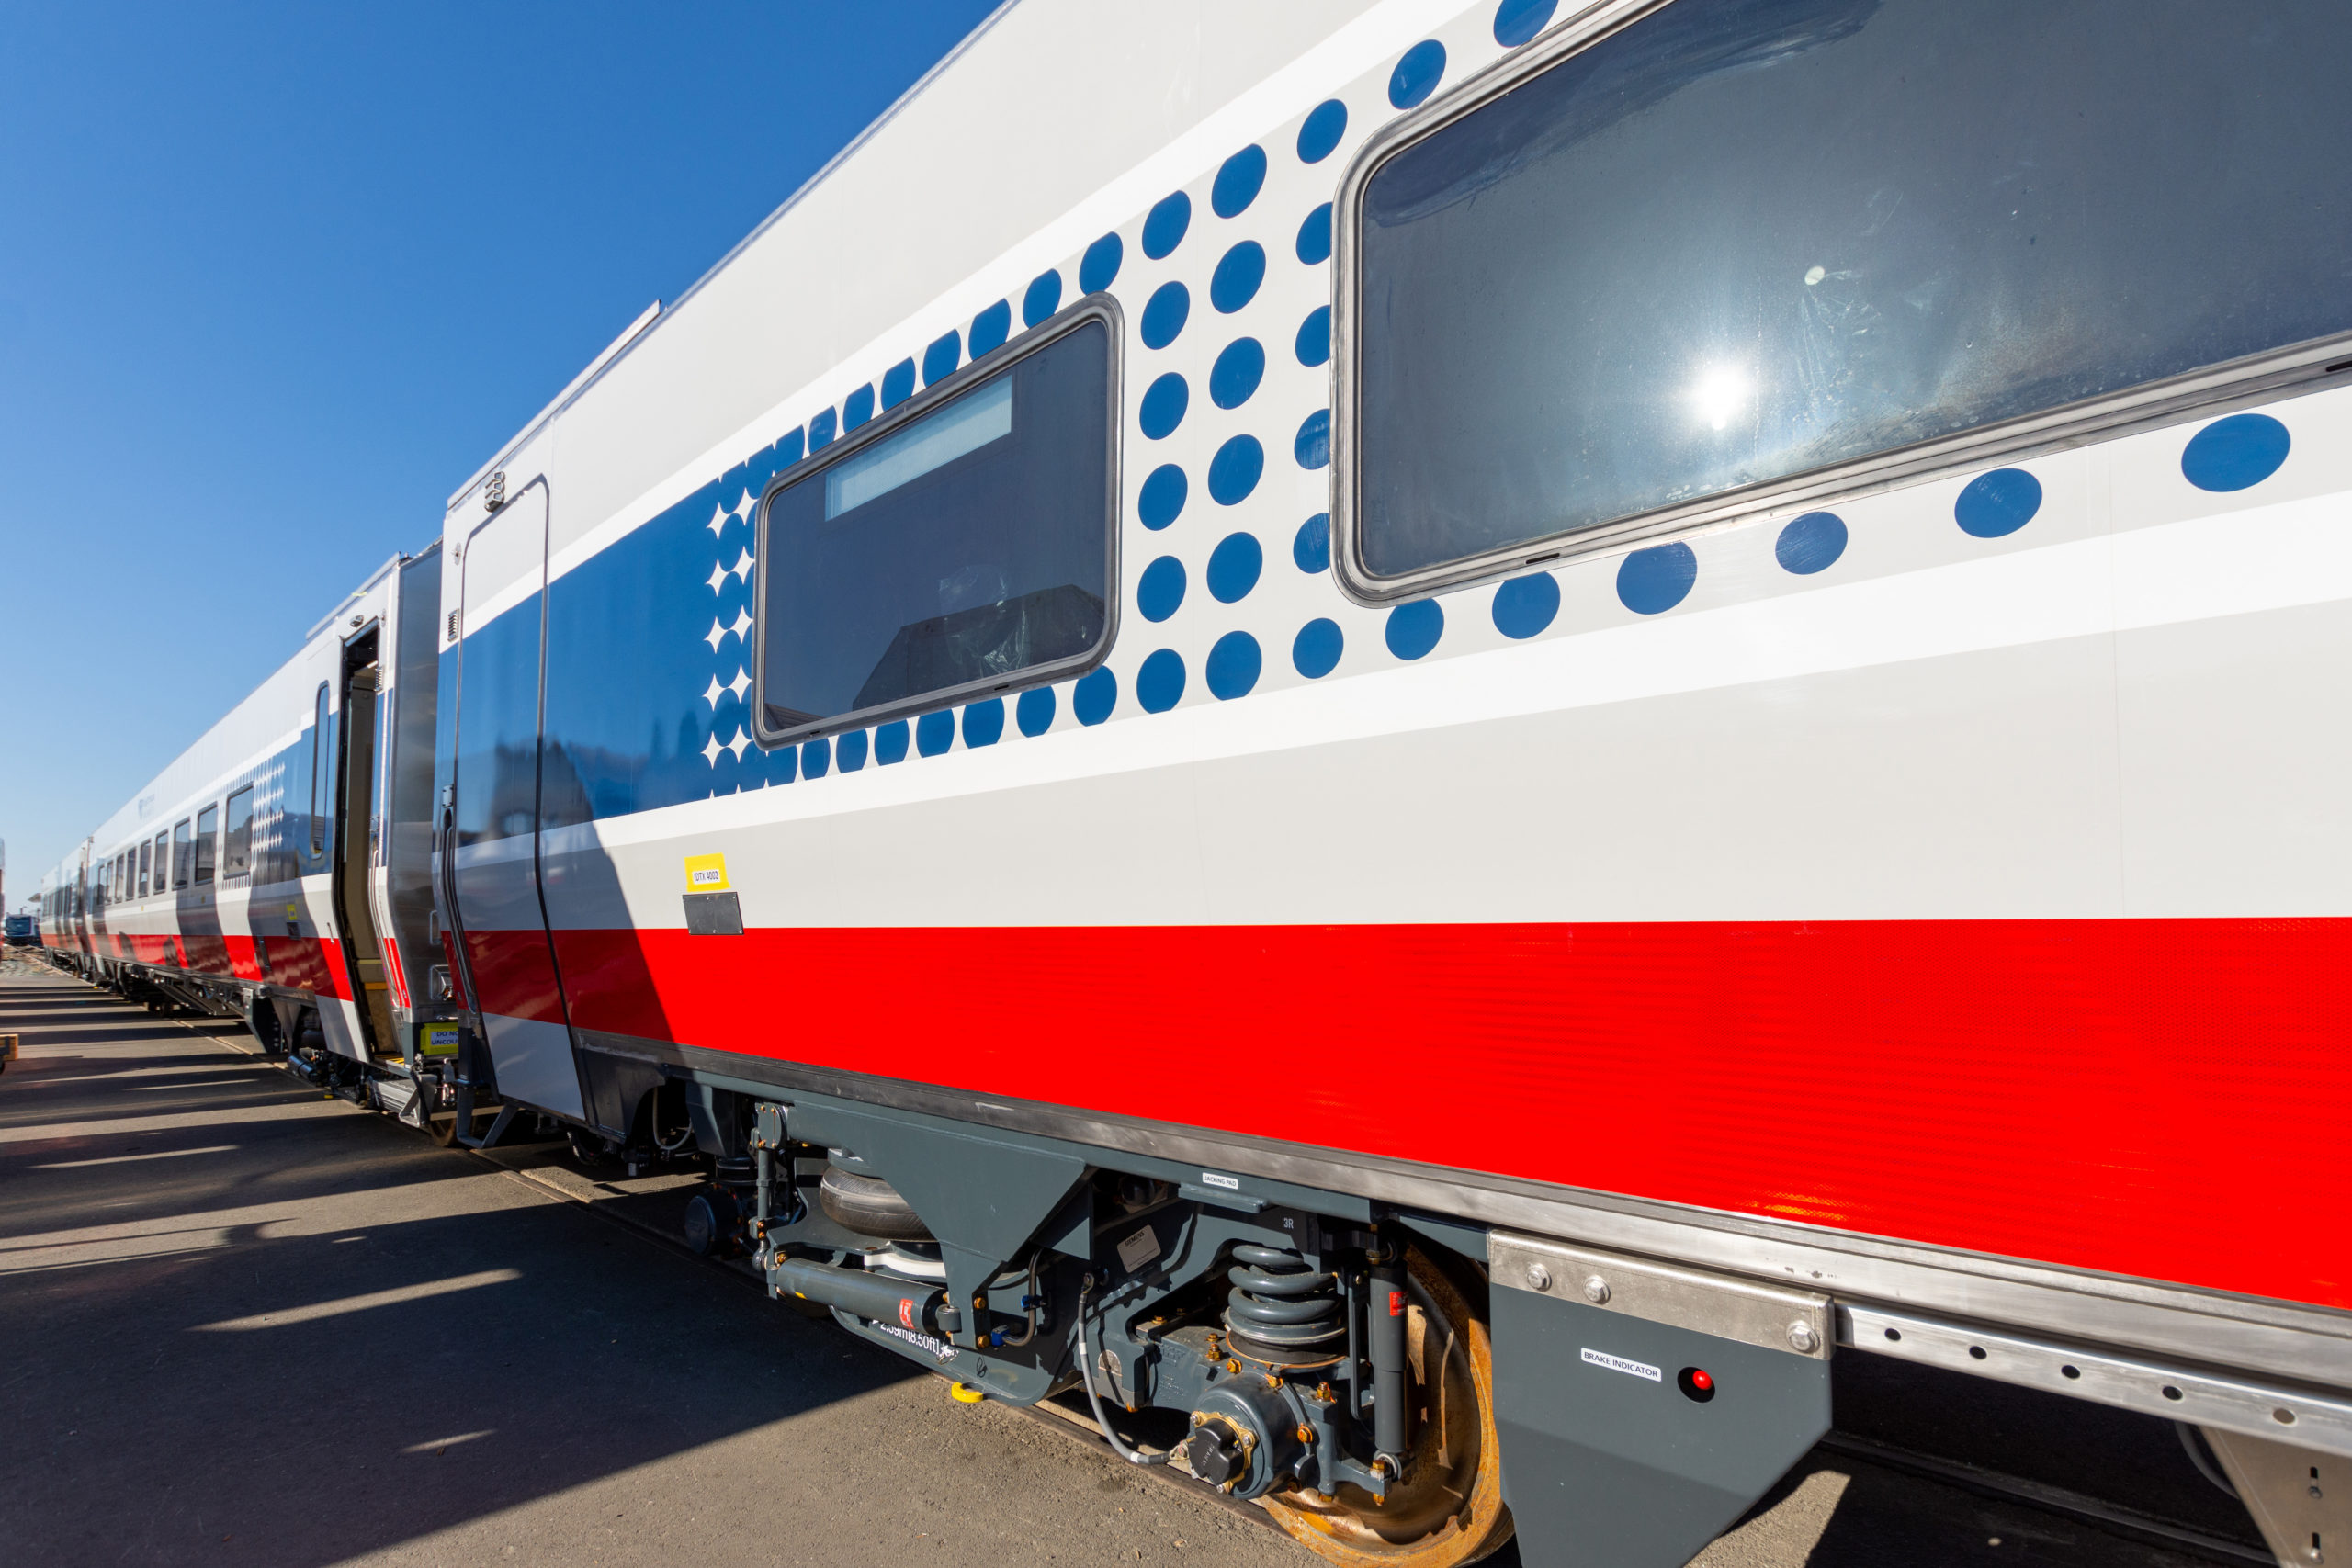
1772,1317
1102,309
2175,1391
2300,1507
2259,1335
2212,389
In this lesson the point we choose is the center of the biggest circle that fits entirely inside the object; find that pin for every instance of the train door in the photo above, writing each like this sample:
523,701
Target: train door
492,851
357,833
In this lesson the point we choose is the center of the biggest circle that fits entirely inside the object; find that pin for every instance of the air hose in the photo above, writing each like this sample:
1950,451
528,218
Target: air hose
1087,1356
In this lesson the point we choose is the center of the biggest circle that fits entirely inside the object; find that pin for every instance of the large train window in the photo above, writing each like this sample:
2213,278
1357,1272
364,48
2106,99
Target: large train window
183,852
207,827
1735,241
319,782
963,545
237,847
163,861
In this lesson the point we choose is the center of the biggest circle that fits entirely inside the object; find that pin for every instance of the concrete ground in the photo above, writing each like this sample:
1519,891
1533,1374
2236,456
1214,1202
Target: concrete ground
243,1323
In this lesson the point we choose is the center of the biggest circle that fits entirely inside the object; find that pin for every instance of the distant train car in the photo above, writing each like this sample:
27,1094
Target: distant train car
1447,734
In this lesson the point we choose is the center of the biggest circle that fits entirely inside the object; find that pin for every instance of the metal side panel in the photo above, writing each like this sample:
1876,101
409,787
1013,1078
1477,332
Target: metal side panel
2302,1500
534,1063
1631,1438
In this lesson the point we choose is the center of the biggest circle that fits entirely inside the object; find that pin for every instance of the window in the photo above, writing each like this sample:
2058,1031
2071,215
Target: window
318,774
163,860
237,850
183,854
146,863
206,821
964,545
1740,240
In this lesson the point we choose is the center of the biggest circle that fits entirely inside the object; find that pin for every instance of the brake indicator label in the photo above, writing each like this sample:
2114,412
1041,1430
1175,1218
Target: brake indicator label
1618,1364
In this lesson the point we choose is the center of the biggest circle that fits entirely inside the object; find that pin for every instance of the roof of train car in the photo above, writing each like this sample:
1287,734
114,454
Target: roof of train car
1052,122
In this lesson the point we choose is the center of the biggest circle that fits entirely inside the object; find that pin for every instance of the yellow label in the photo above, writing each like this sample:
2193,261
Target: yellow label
707,873
437,1039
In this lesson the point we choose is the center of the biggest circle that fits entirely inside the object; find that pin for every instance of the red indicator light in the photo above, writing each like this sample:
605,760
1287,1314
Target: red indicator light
1700,1380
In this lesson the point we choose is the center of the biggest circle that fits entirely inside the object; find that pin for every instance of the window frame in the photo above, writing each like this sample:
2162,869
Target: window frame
320,713
183,866
1093,308
146,857
2254,379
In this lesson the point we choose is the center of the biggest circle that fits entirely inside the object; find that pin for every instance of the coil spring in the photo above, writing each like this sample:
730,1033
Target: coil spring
1281,1311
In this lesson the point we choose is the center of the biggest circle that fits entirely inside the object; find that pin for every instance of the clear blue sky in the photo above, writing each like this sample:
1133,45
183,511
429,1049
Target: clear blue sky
275,279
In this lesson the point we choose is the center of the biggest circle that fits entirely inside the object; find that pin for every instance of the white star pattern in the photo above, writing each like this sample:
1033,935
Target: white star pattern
715,692
716,635
743,625
742,743
742,683
718,519
718,576
743,567
710,752
743,507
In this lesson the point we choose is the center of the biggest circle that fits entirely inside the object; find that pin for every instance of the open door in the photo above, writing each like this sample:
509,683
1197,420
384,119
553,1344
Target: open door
494,871
355,838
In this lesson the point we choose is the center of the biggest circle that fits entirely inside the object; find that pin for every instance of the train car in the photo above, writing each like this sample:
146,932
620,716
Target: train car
278,870
1448,735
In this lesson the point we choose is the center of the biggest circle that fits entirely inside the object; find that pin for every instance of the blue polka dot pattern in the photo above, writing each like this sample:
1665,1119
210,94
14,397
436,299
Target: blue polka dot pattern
1164,226
1093,697
1035,712
1525,605
1164,403
984,722
1414,628
857,408
890,742
897,383
934,733
1311,549
1652,581
1234,568
1315,652
1811,543
1315,236
940,360
1238,273
1325,124
1164,314
815,755
1044,298
1313,344
1160,589
1239,368
1238,180
2236,452
1235,470
1312,446
1996,503
788,451
849,751
1099,268
1233,665
1160,684
784,765
1161,501
1517,21
1416,77
990,328
820,431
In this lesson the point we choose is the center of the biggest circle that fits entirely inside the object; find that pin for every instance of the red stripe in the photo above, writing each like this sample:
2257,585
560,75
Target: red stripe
392,971
2149,1098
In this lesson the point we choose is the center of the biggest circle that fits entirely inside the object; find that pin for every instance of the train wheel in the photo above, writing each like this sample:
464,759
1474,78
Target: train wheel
1449,1511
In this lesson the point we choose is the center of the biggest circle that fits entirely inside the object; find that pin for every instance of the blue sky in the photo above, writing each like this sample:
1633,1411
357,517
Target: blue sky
276,278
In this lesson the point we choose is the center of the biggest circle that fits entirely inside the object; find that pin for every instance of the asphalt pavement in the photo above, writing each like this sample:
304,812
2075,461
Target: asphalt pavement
242,1323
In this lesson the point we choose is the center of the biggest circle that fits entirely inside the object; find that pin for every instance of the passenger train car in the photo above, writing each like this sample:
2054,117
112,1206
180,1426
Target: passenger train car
1445,733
